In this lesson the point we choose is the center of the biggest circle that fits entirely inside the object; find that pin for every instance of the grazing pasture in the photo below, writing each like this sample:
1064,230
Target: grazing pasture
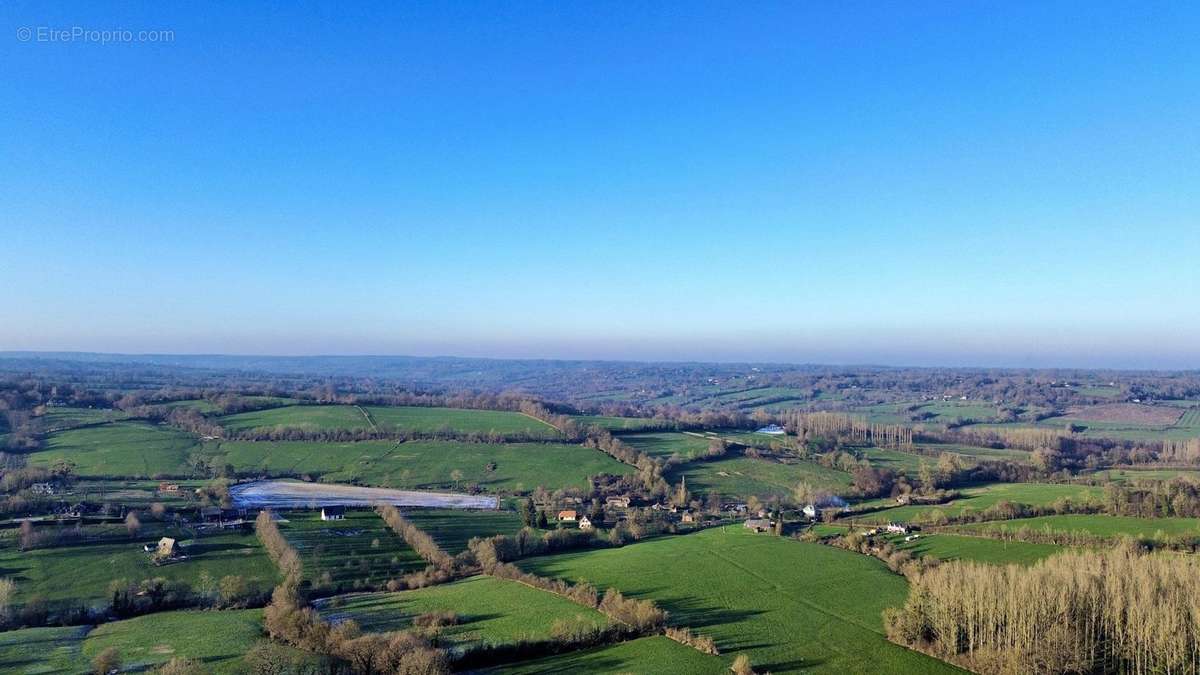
425,465
972,454
217,640
980,549
981,497
459,420
45,651
667,443
1098,525
82,572
941,412
1130,475
743,476
1127,414
68,418
303,417
656,655
121,449
358,552
790,606
490,610
453,528
620,424
413,419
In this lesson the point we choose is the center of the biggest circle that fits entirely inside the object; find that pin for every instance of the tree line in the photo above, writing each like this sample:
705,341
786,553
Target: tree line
1112,611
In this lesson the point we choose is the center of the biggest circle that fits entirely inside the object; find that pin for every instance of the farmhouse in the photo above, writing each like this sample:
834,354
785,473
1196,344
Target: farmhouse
772,430
585,524
568,516
688,517
897,528
810,511
42,488
758,524
333,513
168,488
167,548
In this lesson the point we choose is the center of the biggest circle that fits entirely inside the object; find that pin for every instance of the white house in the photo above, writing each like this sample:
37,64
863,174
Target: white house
772,430
897,528
333,513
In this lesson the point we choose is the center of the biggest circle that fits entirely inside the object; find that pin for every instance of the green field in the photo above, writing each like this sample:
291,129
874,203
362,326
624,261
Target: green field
645,656
416,419
305,417
667,443
200,405
972,454
453,528
1100,525
66,418
790,606
956,547
45,651
906,462
358,552
423,464
745,476
981,497
121,449
949,411
619,424
490,610
83,572
217,640
1132,475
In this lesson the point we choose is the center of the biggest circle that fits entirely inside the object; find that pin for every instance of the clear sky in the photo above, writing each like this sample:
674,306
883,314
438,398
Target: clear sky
983,183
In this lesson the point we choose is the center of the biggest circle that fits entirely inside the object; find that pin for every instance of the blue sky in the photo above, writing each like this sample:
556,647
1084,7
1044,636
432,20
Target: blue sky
907,183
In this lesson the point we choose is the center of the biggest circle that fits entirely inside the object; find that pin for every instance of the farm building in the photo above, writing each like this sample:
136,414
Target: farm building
168,488
617,502
333,513
585,524
42,488
758,524
772,430
568,516
688,517
167,548
897,528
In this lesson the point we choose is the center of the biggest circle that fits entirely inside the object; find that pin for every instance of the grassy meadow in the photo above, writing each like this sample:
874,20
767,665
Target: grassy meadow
743,476
788,605
981,497
422,464
453,528
490,610
980,549
656,655
667,443
68,418
83,572
1099,525
217,640
360,551
44,651
120,449
416,419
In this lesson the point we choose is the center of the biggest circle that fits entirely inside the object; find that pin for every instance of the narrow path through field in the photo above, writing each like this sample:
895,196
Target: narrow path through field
367,415
556,429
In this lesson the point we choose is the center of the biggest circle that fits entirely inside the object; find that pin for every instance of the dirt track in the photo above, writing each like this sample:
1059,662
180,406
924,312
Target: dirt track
295,494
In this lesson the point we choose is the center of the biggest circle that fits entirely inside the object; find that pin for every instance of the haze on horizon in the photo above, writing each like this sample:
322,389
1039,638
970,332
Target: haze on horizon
921,185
